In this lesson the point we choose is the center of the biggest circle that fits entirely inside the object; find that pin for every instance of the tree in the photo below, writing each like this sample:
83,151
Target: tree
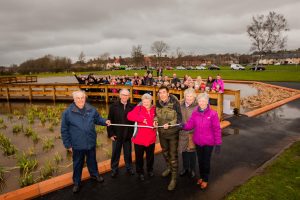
104,56
137,55
159,47
266,33
81,58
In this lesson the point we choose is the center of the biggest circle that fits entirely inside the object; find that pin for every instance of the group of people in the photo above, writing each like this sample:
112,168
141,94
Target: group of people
190,128
211,84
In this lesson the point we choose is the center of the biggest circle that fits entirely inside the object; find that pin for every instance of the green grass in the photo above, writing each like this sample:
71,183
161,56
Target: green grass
280,180
272,73
7,147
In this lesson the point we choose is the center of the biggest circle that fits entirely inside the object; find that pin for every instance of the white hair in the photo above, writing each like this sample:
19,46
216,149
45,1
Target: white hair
78,93
123,91
146,96
203,96
189,91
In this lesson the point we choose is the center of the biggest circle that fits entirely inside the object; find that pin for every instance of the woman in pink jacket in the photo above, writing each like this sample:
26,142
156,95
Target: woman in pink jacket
218,85
144,139
207,135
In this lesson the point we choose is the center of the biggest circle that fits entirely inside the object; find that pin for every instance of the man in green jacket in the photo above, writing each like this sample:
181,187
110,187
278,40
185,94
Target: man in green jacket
168,113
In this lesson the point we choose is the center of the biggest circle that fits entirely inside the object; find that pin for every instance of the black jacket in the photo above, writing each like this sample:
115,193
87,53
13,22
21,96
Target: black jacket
118,115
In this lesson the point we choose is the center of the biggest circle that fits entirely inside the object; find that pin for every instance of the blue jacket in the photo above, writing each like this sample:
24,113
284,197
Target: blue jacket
78,127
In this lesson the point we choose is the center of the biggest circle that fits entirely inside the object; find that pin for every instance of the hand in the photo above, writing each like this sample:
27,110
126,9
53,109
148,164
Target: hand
155,124
108,122
217,149
113,138
166,126
70,150
145,121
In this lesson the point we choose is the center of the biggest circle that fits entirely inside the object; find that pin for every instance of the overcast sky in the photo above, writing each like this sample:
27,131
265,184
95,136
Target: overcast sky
33,28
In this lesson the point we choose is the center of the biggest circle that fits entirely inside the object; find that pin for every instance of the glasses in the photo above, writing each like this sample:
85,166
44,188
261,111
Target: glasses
79,98
124,94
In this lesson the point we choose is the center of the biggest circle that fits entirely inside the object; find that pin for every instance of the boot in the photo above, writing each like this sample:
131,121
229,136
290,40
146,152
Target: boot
172,183
166,172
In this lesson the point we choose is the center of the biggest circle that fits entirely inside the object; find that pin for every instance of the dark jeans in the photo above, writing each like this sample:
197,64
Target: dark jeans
116,152
78,161
204,155
139,157
189,160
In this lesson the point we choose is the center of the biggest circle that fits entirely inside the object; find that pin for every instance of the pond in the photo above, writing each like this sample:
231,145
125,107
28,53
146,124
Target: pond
48,148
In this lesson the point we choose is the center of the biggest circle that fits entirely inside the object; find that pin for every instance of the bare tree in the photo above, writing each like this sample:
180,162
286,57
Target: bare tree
137,55
159,47
81,57
266,33
179,52
104,56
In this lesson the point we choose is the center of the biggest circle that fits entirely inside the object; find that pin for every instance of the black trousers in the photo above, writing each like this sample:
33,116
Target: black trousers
139,157
189,160
78,162
116,152
204,156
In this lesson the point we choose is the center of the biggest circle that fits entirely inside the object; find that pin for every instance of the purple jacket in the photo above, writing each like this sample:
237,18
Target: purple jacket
219,82
206,125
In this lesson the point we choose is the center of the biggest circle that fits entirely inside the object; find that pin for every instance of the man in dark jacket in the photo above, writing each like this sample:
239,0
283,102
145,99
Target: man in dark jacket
168,113
120,135
79,136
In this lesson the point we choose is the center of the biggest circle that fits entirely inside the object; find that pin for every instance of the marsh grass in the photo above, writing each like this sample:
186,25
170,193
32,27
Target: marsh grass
48,170
48,144
29,132
7,147
58,158
26,178
17,129
26,162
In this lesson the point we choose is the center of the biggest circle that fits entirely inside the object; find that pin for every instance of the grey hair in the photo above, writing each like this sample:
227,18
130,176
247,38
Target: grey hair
77,93
146,96
189,91
124,90
203,96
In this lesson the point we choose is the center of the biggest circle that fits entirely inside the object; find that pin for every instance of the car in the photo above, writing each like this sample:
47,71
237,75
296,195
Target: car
180,68
190,68
237,67
200,67
169,68
151,68
278,63
214,67
129,68
258,68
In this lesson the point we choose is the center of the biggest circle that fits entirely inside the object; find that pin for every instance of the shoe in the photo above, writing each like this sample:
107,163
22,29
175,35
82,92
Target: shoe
150,174
203,185
99,179
130,172
166,172
183,172
199,181
76,188
172,184
192,174
141,177
114,174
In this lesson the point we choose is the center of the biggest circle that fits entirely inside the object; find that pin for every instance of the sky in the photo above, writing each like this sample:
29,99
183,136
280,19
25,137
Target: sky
33,28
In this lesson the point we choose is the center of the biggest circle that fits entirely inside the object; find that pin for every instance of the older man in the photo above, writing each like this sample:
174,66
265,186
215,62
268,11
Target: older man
120,135
79,136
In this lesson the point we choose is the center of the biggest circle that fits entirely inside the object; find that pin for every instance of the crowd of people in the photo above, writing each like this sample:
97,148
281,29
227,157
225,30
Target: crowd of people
175,124
208,85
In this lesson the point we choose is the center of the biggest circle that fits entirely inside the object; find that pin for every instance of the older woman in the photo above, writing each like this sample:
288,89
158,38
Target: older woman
144,139
186,145
207,135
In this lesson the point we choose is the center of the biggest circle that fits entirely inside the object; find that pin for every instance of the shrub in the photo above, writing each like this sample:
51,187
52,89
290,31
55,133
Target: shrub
6,145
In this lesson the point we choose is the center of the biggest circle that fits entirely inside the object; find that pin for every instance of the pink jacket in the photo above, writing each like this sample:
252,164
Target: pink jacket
144,136
206,125
219,82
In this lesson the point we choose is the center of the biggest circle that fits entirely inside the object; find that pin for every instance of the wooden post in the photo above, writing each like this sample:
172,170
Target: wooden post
54,94
131,94
220,106
7,94
30,93
106,94
238,99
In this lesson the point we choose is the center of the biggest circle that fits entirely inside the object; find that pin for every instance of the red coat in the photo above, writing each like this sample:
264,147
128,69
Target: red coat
144,136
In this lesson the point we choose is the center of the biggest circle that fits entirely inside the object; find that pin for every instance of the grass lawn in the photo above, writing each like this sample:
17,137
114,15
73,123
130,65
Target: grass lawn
280,180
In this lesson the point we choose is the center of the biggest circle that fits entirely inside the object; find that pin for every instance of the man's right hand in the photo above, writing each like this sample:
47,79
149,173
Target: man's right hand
70,150
155,124
113,138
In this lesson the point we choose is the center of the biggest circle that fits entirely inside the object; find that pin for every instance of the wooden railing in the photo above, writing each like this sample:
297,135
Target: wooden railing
18,79
98,92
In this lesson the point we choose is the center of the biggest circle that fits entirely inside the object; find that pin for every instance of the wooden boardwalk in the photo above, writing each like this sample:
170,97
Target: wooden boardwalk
18,79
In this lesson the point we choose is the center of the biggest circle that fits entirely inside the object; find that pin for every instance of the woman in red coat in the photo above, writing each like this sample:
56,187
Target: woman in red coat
144,139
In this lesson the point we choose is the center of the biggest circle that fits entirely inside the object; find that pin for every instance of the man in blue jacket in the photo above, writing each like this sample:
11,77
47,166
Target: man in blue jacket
79,136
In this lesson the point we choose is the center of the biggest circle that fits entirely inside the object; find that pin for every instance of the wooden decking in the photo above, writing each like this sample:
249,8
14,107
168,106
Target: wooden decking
18,79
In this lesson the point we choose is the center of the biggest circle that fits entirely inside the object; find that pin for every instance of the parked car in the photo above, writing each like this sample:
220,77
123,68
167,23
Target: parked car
129,68
190,68
258,68
180,68
278,63
169,68
237,67
214,67
200,67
